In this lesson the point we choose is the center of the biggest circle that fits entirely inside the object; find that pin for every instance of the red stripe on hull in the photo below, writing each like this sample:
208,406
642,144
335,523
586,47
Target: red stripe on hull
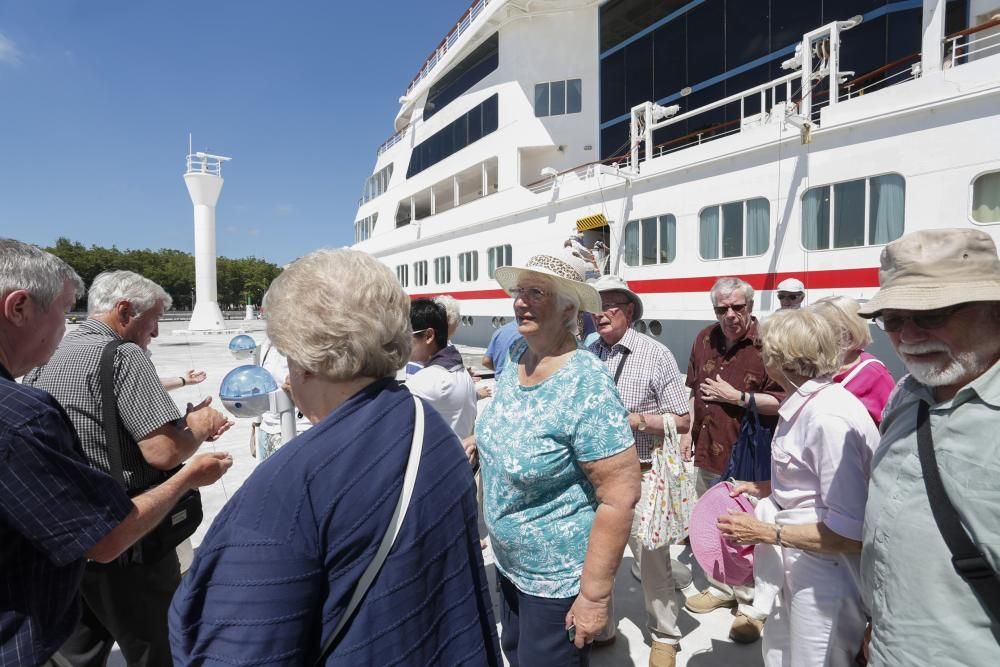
830,279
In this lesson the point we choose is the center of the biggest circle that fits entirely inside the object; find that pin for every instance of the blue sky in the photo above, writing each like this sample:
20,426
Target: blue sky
97,98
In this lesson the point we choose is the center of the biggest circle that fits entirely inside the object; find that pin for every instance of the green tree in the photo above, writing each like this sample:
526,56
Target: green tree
171,269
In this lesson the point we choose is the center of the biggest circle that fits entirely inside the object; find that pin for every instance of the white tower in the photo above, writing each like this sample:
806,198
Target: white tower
204,183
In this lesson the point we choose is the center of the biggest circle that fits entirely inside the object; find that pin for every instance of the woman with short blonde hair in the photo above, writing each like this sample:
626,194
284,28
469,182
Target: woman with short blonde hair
861,373
813,508
303,530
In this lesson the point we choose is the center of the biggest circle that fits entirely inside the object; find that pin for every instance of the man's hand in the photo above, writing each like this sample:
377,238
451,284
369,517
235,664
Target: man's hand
206,423
483,390
471,451
589,617
686,446
194,377
718,391
206,469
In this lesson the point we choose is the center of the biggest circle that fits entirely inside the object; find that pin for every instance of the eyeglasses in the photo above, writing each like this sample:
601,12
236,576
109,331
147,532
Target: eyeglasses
528,294
786,296
417,333
611,307
722,310
927,319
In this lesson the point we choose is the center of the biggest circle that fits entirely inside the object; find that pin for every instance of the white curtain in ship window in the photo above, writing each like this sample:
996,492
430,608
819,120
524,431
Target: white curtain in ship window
630,246
758,226
986,198
709,233
668,238
816,218
886,208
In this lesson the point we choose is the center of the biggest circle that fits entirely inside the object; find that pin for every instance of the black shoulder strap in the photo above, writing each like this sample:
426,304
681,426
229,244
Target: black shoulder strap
109,410
621,364
967,560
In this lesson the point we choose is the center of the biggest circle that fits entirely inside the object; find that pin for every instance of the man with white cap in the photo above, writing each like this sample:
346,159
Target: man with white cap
931,535
651,386
791,294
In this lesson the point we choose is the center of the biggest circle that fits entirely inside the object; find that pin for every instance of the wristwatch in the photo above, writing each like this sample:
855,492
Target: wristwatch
642,422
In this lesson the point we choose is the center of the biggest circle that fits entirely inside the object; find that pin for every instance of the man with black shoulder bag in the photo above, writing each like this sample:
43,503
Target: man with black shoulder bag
930,564
131,429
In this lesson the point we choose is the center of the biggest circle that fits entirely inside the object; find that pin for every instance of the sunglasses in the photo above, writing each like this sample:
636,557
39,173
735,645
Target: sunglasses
611,307
722,310
789,296
528,294
927,319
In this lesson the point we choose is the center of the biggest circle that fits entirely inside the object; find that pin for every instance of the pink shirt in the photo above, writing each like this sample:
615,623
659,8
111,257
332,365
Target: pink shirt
872,384
821,456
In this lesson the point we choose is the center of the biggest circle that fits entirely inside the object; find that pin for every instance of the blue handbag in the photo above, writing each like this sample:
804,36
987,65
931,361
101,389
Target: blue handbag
750,460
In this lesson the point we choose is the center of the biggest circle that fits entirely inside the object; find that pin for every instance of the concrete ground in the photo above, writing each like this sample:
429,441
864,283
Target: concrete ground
705,641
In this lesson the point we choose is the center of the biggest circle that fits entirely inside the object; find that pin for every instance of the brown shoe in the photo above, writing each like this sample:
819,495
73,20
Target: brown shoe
704,602
745,630
663,655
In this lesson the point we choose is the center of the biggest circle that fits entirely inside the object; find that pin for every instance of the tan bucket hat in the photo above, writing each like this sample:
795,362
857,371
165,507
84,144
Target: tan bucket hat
613,283
569,277
936,268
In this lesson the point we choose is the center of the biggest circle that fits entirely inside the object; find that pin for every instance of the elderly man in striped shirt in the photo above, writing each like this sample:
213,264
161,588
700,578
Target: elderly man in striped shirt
651,386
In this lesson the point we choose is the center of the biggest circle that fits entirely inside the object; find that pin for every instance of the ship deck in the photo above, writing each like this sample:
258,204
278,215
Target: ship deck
705,641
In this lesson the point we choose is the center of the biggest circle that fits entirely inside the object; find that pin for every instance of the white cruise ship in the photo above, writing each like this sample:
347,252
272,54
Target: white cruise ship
695,139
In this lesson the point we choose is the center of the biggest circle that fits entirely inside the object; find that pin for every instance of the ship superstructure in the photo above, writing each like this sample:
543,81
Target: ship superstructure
758,138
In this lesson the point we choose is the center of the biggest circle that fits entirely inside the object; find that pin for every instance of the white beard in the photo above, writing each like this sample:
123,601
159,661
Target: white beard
967,364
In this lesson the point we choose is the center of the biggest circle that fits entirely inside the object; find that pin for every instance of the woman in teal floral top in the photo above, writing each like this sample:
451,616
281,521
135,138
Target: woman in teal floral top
560,474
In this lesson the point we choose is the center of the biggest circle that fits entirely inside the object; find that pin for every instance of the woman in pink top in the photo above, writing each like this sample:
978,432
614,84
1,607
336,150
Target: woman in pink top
860,372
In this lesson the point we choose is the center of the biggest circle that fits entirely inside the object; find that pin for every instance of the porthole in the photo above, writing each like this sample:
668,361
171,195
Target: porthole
470,321
640,326
494,322
503,321
655,328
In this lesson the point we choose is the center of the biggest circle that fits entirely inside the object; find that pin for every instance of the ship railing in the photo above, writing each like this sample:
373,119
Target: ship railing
391,141
449,40
961,46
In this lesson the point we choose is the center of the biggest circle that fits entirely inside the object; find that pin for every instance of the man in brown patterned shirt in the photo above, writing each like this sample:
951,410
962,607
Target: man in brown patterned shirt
724,371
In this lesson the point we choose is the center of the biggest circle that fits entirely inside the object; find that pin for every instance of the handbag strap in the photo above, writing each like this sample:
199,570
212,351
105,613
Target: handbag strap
857,369
621,364
968,561
753,411
109,410
395,523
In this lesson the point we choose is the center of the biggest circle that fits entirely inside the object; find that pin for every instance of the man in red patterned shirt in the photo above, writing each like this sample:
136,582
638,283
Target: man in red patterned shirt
725,370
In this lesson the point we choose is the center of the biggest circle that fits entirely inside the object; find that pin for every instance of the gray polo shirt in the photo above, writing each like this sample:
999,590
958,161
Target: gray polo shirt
923,613
72,377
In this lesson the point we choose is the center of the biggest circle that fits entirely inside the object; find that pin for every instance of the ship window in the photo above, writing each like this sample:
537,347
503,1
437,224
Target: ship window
404,212
442,270
403,274
866,211
376,184
420,273
736,229
463,76
556,98
468,266
363,228
650,241
455,136
986,198
498,256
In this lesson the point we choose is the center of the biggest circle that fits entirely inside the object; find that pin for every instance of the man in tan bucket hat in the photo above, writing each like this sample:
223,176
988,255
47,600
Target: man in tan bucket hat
931,536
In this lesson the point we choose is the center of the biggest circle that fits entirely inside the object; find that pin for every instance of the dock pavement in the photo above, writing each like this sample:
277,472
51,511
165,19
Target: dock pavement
705,640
